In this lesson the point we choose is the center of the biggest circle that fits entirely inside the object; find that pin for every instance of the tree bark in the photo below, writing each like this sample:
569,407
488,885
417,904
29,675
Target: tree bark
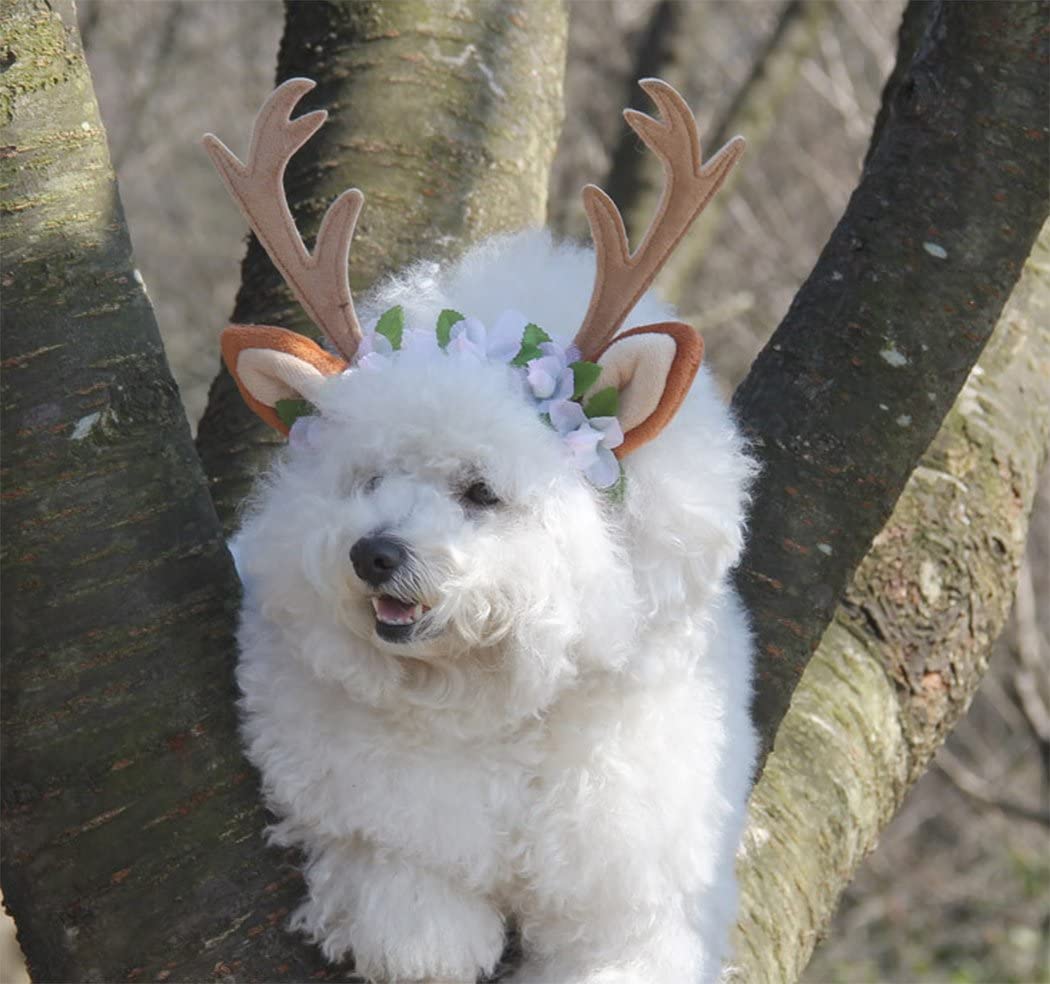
912,31
907,648
446,116
119,595
878,341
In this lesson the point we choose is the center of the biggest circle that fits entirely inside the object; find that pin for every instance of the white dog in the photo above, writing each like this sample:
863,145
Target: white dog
480,685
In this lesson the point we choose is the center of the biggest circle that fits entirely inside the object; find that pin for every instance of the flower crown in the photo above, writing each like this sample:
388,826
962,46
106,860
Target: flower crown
606,394
553,378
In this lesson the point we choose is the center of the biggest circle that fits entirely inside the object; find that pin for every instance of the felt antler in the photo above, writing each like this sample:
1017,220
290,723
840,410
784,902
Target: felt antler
621,277
651,367
318,279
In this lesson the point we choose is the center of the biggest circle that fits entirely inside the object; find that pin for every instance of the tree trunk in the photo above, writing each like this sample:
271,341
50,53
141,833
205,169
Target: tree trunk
907,648
119,596
446,116
858,377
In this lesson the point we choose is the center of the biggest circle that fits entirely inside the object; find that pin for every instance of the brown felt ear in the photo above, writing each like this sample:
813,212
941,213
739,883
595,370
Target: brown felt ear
271,364
652,367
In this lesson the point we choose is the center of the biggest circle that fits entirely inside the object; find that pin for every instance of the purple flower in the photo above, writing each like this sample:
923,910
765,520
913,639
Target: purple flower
374,350
549,377
590,441
421,344
500,343
304,434
505,336
468,337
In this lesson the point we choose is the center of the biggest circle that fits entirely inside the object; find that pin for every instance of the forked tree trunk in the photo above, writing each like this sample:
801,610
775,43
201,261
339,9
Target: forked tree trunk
132,845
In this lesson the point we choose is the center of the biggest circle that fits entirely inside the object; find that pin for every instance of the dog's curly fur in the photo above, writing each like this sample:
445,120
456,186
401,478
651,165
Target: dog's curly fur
565,742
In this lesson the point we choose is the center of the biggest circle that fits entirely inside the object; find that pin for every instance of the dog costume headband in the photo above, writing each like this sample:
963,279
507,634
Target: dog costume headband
620,392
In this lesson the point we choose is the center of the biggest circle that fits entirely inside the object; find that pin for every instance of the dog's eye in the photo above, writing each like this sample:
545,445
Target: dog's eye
373,483
479,494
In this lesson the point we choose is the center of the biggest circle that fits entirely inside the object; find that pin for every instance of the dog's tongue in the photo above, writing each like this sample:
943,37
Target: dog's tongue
389,609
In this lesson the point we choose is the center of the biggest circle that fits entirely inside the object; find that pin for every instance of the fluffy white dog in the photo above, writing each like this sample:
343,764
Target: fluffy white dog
480,689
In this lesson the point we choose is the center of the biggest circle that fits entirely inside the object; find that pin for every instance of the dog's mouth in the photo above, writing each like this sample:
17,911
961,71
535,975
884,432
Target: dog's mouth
396,619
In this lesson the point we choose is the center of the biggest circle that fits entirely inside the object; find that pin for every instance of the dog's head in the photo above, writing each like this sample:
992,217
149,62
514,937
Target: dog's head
428,513
445,491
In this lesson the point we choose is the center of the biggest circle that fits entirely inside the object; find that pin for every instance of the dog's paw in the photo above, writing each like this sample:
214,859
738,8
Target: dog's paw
452,942
441,937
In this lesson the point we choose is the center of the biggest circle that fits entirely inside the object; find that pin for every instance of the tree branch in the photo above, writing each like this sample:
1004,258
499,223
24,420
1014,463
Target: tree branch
445,116
1033,666
883,691
880,338
633,173
916,19
981,792
754,112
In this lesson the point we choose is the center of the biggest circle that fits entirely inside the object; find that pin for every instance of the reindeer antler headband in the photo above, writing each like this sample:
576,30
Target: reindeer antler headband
650,368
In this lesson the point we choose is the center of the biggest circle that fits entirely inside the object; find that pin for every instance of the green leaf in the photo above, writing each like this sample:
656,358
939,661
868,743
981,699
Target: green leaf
584,375
531,339
446,320
391,325
534,335
288,411
604,403
525,355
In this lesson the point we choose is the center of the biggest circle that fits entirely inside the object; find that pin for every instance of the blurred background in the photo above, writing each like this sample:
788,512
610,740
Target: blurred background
959,888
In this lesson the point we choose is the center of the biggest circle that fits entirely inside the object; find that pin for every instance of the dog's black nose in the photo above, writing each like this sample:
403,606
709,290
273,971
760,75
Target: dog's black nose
377,558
